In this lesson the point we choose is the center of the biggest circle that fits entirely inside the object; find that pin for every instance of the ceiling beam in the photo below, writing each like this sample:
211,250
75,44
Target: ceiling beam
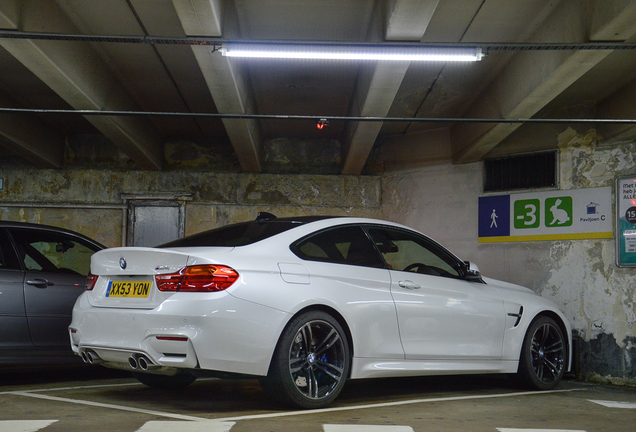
415,150
28,136
80,77
379,82
375,91
226,80
619,105
200,17
31,138
9,13
407,20
532,79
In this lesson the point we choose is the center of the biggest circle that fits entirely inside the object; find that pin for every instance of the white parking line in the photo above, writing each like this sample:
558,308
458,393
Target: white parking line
200,426
75,388
537,430
391,404
612,404
33,394
103,405
24,425
365,428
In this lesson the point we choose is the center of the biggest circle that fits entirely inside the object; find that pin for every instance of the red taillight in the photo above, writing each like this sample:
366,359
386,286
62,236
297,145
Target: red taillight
168,282
201,278
91,280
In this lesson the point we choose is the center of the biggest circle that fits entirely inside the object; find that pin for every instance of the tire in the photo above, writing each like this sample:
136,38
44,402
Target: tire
543,355
311,362
165,382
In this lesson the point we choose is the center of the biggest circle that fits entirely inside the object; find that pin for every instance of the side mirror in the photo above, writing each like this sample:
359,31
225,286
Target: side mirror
472,272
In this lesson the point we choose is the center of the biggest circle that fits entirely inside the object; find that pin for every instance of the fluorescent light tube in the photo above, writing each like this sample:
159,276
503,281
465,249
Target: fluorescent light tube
349,52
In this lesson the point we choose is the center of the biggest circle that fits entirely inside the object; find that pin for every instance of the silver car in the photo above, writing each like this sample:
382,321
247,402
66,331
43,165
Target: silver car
42,272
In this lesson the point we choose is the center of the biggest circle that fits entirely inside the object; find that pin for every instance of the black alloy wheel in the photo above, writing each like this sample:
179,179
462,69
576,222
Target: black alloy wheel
543,355
311,362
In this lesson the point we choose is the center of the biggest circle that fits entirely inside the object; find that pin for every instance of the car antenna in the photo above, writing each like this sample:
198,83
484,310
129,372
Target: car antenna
264,216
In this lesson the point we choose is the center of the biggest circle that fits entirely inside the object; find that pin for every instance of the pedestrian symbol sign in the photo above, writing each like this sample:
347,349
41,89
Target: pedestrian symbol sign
551,215
494,216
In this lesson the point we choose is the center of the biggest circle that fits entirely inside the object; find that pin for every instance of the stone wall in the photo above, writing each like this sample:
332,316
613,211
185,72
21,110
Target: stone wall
92,201
579,275
440,200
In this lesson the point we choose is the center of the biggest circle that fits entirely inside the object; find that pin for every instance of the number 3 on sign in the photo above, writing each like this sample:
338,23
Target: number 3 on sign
526,213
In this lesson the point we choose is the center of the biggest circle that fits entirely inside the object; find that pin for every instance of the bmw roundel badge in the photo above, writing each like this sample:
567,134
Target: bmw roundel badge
122,263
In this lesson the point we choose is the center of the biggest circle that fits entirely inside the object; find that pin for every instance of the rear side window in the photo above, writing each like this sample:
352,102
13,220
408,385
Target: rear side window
342,245
240,234
53,252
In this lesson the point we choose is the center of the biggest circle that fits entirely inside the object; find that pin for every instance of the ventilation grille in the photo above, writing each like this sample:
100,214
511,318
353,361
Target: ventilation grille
529,171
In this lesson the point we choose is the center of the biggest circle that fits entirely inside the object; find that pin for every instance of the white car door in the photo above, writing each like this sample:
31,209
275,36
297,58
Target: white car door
343,264
441,315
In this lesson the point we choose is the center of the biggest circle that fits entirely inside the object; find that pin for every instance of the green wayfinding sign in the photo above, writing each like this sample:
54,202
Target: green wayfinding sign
626,222
551,215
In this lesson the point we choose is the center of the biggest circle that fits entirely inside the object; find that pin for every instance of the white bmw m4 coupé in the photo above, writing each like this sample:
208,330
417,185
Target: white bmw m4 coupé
306,303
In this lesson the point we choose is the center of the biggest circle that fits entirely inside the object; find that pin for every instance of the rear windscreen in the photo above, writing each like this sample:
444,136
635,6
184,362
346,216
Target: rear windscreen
240,234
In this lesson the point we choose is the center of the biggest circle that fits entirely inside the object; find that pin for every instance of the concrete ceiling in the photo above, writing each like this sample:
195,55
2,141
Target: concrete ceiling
45,74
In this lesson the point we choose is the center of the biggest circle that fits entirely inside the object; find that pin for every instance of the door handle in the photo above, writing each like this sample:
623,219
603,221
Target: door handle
40,283
410,285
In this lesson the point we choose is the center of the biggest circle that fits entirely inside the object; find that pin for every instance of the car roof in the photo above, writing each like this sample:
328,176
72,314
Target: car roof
267,217
41,227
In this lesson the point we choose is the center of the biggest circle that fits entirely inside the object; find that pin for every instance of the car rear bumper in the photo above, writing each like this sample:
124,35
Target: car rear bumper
188,331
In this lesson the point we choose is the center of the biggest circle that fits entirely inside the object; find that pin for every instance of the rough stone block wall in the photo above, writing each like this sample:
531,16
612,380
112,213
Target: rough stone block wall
92,201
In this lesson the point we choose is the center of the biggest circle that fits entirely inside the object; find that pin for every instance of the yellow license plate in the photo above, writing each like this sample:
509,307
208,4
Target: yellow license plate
128,289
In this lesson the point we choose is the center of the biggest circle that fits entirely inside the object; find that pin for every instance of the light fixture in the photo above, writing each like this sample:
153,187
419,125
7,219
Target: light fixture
350,52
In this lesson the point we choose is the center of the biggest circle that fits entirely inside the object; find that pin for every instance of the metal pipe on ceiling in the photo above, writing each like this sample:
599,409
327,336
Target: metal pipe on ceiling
216,43
309,117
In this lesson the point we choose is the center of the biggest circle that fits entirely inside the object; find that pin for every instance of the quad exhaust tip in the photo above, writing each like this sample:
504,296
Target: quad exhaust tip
132,361
140,361
91,357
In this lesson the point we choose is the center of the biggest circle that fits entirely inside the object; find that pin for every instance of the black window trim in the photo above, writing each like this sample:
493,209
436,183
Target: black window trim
13,248
462,268
11,233
293,247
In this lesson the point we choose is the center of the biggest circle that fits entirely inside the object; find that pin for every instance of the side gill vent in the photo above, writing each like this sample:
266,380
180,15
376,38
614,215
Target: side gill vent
518,315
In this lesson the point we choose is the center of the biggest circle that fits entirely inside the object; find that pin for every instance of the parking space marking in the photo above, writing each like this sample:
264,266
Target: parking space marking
75,388
612,404
104,405
199,426
224,424
537,430
24,425
365,428
392,404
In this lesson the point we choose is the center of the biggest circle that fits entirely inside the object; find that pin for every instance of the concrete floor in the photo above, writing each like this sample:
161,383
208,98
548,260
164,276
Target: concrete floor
96,399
